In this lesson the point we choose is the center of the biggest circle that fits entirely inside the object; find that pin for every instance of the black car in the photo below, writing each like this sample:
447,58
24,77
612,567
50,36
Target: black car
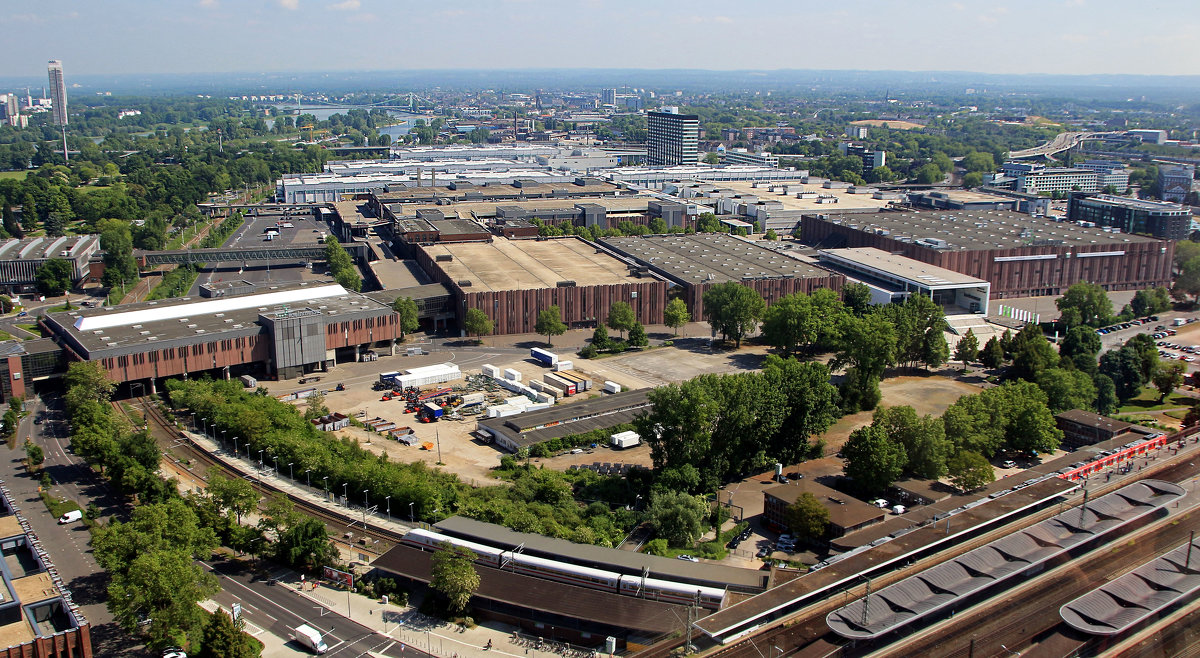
763,552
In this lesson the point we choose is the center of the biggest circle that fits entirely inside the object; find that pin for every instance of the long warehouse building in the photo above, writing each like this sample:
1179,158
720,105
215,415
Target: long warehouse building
1019,255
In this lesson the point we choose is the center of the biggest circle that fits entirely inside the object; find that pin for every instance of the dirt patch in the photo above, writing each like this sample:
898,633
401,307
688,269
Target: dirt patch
894,124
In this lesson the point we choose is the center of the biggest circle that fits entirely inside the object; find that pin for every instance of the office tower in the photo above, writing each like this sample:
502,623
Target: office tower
58,92
672,138
609,97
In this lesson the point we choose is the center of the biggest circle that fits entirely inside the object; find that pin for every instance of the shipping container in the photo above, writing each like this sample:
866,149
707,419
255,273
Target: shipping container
543,387
427,375
565,385
432,410
491,371
622,440
545,357
471,399
248,381
388,377
581,383
612,387
564,365
512,375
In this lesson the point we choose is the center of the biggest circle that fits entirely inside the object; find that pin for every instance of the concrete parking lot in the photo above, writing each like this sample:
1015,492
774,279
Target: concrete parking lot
307,230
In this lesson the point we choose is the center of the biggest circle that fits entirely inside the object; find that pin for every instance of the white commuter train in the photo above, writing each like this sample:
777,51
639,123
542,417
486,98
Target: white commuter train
654,589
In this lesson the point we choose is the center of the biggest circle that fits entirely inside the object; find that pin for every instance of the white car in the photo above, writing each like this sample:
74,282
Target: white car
687,558
1009,464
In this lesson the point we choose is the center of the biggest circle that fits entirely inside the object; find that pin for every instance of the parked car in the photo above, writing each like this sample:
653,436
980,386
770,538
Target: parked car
763,552
687,558
1009,464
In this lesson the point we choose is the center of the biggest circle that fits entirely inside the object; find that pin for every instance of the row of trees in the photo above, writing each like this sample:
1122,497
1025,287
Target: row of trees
341,265
1014,417
712,428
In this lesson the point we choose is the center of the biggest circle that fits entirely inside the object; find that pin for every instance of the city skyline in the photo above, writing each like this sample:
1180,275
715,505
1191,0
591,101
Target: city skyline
1026,36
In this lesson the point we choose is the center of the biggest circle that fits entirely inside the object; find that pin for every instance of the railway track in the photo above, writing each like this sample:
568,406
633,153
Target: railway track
179,447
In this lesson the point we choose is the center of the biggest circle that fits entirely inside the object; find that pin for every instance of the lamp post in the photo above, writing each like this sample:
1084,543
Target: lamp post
366,502
308,476
224,439
235,446
204,425
193,421
388,500
411,516
260,459
291,472
326,479
276,458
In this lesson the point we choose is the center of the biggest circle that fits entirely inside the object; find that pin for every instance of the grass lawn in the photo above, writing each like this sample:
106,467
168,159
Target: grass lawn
31,328
1147,400
4,335
18,175
58,506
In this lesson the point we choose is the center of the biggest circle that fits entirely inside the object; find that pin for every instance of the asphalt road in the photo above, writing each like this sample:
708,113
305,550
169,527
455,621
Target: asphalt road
279,610
67,545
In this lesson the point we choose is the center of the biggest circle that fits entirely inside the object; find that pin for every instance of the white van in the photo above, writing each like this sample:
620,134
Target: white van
70,517
899,509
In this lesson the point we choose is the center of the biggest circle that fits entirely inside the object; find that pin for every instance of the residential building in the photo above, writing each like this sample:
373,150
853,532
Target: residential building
745,157
1168,221
672,138
1114,174
1035,178
1175,182
21,258
58,92
870,157
608,97
846,513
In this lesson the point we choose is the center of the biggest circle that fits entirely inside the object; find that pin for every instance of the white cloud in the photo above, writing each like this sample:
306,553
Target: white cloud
208,3
290,4
346,5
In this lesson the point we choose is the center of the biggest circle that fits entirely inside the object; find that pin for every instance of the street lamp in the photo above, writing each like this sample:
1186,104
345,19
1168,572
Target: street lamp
308,476
326,479
235,446
388,500
260,459
411,516
193,421
276,458
204,425
366,502
291,472
224,439
346,493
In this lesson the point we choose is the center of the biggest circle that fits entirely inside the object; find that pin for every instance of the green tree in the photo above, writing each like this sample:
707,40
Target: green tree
232,495
33,452
637,335
162,585
477,323
1124,367
453,575
406,311
923,438
600,339
1167,378
1106,394
733,310
967,349
856,297
11,226
1013,416
549,324
676,314
1080,346
920,324
1147,351
120,267
6,304
929,174
992,355
620,317
970,471
810,407
972,179
867,346
807,517
1084,304
54,277
305,545
771,235
223,638
1150,301
1067,389
800,321
677,517
873,460
978,161
1032,353
55,224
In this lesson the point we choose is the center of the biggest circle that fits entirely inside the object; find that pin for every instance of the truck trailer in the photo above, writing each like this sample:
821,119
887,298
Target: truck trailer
544,357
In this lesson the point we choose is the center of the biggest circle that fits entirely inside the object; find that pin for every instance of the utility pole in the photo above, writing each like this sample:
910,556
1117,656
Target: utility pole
66,156
866,601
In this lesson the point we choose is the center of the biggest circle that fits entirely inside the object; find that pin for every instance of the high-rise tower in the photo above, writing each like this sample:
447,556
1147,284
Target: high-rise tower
58,92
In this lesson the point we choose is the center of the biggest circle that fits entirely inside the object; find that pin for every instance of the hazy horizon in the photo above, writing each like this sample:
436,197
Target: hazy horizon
1045,37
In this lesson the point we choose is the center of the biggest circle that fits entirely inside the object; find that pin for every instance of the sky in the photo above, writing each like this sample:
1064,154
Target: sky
121,37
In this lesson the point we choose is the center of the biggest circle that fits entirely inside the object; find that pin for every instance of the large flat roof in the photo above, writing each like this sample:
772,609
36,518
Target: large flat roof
38,248
528,264
924,274
982,229
484,210
714,257
140,326
784,192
